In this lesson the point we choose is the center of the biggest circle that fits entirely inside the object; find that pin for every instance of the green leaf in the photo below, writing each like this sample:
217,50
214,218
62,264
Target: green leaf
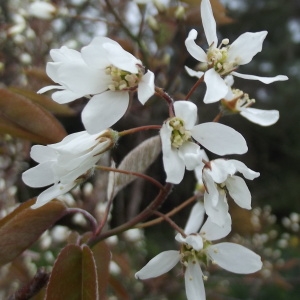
102,258
45,102
137,160
21,228
74,275
23,118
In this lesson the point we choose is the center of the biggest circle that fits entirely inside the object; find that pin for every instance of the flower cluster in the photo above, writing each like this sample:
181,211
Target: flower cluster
107,76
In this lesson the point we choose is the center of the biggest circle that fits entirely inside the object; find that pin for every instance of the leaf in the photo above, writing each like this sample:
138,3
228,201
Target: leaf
21,228
45,102
38,76
137,160
102,257
23,118
74,275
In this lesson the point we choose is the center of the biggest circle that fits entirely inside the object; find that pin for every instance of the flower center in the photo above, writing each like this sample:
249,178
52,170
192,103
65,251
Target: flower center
239,100
218,58
243,100
188,253
122,80
179,133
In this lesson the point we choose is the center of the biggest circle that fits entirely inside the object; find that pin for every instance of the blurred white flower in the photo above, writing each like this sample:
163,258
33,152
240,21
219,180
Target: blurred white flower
219,179
42,10
104,70
223,59
19,25
179,150
66,164
197,249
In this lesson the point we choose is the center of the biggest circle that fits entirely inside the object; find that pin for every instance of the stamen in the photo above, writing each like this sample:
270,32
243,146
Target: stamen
123,80
179,133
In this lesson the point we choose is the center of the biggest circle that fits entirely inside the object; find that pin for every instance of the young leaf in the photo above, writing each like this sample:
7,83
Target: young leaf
137,160
74,275
102,257
20,114
45,102
21,228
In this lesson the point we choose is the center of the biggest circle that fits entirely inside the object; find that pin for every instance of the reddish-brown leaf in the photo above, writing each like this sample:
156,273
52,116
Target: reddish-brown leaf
21,228
20,114
45,102
74,275
102,258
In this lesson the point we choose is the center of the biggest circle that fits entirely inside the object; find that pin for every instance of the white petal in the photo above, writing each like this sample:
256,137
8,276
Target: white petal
66,96
216,88
199,169
193,73
173,164
95,55
191,155
82,79
235,258
146,87
42,154
159,265
52,70
265,80
194,286
49,88
246,46
187,111
65,55
242,168
239,191
260,117
104,110
40,175
209,23
229,80
212,193
195,219
78,143
196,51
122,59
195,241
211,231
220,169
51,193
219,139
219,212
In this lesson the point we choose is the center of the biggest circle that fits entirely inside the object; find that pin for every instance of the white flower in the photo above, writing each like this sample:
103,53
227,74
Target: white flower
236,101
102,69
218,177
42,10
67,163
179,150
223,59
197,250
